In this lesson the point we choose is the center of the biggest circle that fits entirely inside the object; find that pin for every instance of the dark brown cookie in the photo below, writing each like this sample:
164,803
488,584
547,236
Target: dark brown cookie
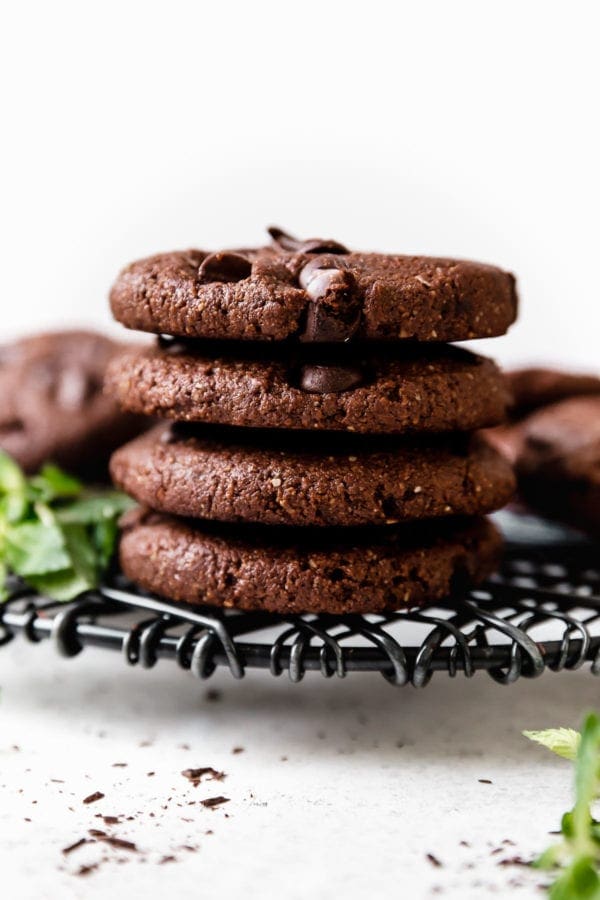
297,570
52,406
379,390
534,388
313,291
559,464
310,479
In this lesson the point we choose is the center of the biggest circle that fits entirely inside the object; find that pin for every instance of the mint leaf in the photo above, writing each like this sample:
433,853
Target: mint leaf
562,741
3,577
61,586
33,548
13,489
90,510
579,851
53,484
55,534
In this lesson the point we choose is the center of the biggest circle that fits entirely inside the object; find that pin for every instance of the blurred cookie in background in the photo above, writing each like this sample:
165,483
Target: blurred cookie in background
536,387
553,440
558,466
52,403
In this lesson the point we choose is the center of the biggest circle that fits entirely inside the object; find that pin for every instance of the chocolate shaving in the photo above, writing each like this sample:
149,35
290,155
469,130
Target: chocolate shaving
97,795
314,245
87,870
433,860
212,802
118,843
224,267
196,775
75,846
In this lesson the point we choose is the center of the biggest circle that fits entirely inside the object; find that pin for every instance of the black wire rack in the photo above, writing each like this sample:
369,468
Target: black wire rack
540,611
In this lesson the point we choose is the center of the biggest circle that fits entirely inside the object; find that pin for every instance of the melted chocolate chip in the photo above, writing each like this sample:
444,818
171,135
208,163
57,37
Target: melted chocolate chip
330,379
224,267
334,314
313,245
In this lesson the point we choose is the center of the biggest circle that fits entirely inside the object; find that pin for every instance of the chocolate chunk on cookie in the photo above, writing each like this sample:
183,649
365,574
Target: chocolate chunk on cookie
313,291
558,466
382,389
309,478
52,405
297,570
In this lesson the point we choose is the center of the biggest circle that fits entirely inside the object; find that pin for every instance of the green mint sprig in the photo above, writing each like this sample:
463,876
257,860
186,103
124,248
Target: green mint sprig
578,854
55,533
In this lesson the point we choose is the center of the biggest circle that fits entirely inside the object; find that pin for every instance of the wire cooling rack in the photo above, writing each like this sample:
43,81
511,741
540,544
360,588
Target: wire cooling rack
541,611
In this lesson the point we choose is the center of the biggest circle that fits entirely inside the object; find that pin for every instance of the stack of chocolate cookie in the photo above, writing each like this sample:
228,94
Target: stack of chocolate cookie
321,455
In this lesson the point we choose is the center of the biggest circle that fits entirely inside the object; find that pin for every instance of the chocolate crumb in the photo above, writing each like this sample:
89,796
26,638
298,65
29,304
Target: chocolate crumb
514,861
213,695
116,842
110,820
97,795
150,774
196,775
119,765
212,802
66,850
484,781
238,750
87,870
433,860
167,859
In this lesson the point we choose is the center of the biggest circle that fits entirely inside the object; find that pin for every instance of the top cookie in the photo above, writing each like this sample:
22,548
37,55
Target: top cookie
313,291
52,406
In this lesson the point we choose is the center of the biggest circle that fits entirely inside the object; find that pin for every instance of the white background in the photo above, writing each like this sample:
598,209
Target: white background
457,128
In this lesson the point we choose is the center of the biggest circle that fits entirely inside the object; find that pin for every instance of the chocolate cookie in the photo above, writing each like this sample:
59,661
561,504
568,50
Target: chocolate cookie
393,389
533,388
314,291
52,404
309,478
559,463
297,570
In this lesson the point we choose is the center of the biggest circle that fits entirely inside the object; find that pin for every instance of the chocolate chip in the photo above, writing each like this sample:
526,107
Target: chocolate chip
313,245
334,313
225,267
330,379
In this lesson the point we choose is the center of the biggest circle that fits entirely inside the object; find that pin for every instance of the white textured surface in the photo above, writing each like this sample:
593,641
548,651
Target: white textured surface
375,777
